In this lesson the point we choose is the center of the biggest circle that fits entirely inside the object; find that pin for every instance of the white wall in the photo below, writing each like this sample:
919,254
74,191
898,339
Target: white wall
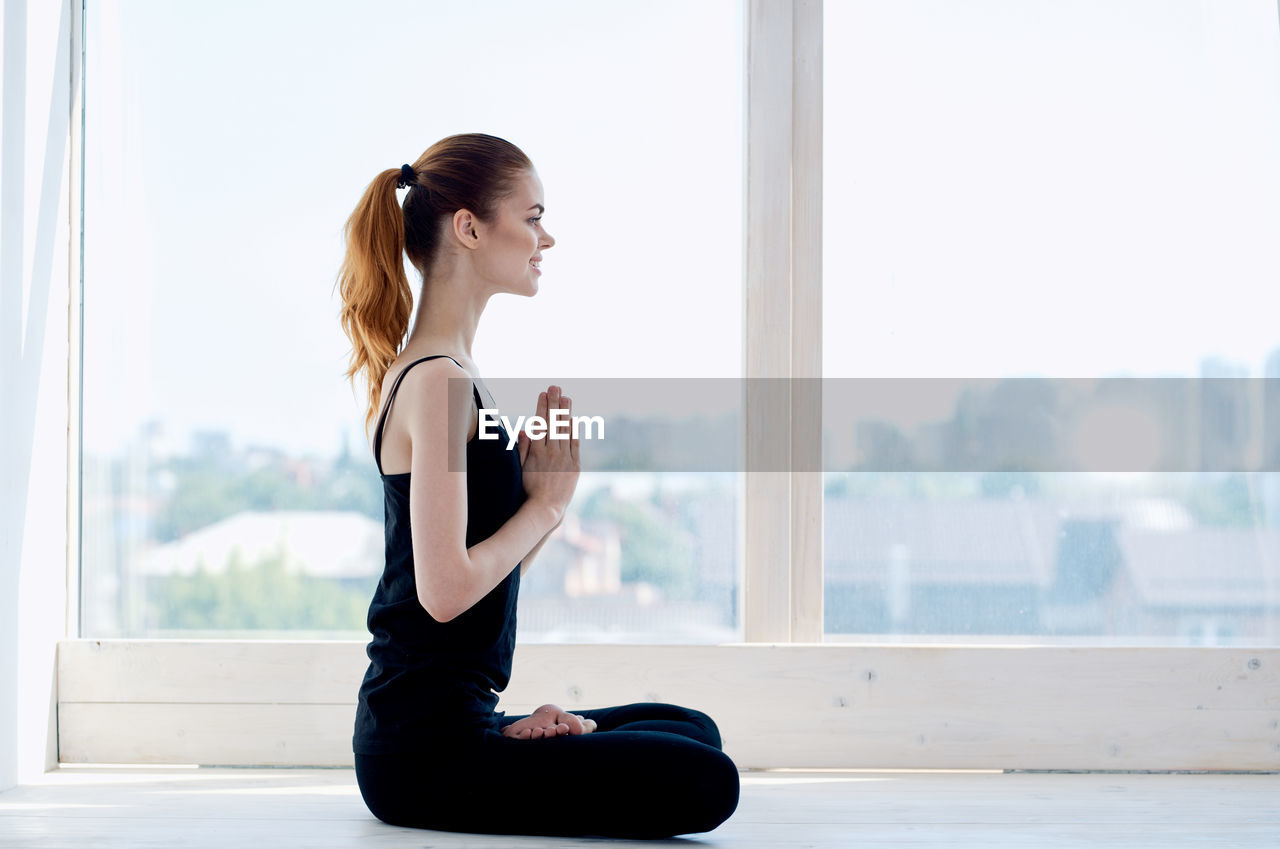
35,258
292,703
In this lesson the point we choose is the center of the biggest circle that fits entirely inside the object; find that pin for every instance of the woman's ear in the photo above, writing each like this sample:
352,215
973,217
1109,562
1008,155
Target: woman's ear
464,227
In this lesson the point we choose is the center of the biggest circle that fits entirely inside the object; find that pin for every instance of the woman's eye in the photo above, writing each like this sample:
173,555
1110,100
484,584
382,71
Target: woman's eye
539,218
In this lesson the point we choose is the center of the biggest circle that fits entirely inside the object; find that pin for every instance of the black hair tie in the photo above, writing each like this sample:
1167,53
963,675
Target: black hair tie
408,176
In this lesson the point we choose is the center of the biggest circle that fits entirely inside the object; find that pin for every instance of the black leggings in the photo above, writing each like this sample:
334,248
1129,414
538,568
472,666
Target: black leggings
648,770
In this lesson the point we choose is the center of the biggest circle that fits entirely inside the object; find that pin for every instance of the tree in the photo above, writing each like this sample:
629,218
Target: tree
265,596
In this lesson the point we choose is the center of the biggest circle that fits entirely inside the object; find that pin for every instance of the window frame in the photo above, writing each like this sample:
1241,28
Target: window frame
781,514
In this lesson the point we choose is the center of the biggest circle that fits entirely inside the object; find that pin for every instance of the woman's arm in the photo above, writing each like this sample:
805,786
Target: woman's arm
528,558
450,577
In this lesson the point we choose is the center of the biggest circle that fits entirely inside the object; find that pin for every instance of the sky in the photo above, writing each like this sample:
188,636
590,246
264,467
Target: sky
1019,188
1064,189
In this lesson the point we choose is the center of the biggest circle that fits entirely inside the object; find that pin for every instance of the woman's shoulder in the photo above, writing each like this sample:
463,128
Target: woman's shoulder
420,385
420,366
410,357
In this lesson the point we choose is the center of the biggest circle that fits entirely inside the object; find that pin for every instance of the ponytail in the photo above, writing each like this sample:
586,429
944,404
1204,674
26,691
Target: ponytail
376,298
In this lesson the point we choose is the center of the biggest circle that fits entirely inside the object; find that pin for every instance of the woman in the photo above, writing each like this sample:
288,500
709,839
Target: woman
430,750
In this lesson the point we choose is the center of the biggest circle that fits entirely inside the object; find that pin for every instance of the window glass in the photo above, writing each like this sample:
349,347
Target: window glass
1049,190
228,487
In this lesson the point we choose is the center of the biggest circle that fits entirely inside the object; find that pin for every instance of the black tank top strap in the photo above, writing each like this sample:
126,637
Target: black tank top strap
391,397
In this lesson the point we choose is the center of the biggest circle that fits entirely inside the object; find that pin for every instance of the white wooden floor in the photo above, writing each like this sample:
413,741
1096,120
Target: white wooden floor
171,807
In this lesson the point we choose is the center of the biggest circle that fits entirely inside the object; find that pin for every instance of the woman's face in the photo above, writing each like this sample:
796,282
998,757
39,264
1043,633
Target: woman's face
516,239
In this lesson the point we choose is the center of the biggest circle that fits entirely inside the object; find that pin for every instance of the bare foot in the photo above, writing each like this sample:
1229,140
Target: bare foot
548,721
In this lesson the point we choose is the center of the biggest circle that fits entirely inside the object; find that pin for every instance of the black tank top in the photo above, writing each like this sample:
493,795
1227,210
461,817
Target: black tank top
431,682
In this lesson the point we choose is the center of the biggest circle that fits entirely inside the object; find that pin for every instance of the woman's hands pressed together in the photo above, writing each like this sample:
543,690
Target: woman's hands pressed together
549,466
548,721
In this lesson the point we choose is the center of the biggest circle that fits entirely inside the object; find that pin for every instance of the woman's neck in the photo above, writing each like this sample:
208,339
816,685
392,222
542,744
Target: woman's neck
445,326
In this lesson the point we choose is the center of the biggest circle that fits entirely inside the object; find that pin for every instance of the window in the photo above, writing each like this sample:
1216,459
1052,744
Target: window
228,487
1051,190
867,334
